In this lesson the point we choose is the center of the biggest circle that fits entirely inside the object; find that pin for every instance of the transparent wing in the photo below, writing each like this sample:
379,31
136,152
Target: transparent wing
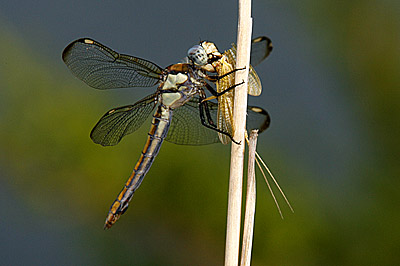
102,68
121,121
254,83
257,118
186,127
261,47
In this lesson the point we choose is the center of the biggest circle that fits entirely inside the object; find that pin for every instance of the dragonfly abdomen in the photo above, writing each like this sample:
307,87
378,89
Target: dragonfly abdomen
158,131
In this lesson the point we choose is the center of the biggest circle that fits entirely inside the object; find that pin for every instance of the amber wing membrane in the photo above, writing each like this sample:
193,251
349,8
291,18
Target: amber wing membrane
262,47
254,83
225,111
225,101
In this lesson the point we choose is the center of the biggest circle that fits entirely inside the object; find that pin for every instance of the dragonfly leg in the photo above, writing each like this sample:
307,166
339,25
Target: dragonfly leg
215,78
229,73
228,89
208,115
217,94
211,125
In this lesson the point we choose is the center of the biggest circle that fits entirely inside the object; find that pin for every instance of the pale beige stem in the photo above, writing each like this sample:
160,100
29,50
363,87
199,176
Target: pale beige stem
237,151
248,226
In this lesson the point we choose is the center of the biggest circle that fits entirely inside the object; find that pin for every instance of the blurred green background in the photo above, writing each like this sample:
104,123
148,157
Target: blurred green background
331,86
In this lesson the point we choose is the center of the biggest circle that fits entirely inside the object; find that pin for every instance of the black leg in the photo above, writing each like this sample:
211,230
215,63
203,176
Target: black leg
203,107
228,89
208,115
230,72
215,78
217,94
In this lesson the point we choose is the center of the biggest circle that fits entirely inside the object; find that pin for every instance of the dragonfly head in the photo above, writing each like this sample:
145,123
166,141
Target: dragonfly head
198,55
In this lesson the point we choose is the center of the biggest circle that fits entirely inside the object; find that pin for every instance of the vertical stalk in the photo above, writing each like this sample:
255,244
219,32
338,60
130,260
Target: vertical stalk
239,118
250,209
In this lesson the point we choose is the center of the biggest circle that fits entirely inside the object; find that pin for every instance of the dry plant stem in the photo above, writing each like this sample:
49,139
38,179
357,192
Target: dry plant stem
250,202
237,151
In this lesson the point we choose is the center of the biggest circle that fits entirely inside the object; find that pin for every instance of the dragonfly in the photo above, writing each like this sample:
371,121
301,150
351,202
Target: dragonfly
180,113
207,57
225,65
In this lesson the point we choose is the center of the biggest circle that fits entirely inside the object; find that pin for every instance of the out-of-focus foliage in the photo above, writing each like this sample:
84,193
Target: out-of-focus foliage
60,185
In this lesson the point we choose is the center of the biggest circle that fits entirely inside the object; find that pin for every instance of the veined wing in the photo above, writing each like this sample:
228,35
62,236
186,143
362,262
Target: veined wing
226,101
121,121
186,127
254,83
261,47
102,68
257,118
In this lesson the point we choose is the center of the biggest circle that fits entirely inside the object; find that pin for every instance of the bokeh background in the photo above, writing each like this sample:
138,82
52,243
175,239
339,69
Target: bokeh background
331,86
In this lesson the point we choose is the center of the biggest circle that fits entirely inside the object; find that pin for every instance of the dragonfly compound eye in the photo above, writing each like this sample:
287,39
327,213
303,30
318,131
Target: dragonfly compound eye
198,55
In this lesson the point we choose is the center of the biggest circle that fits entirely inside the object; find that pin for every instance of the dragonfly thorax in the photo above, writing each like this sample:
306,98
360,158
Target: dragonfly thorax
173,81
178,89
